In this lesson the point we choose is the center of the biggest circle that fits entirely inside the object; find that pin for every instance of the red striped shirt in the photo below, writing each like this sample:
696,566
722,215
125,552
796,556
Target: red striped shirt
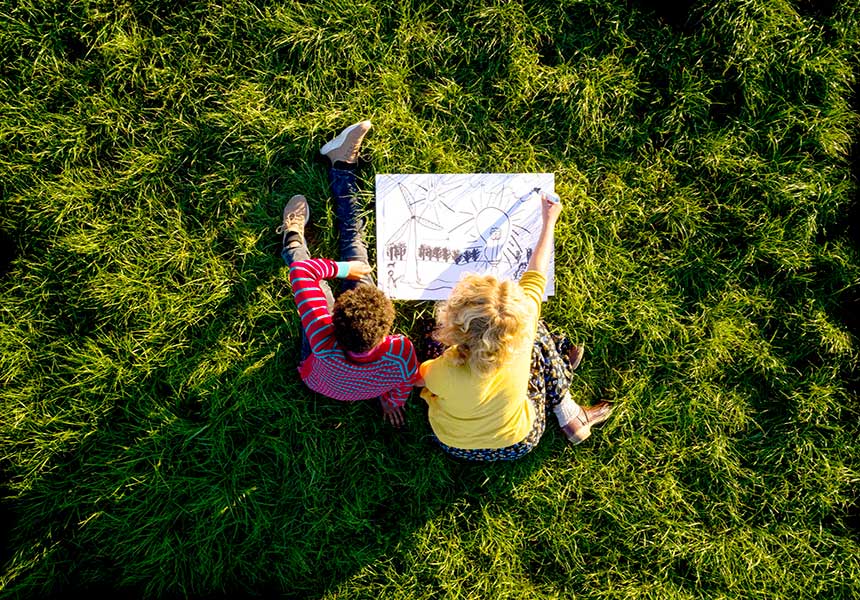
387,371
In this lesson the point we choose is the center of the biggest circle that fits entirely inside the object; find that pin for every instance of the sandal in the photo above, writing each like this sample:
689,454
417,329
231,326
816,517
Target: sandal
578,429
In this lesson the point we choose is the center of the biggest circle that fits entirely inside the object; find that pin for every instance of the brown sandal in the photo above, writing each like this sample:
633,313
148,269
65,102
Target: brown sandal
578,429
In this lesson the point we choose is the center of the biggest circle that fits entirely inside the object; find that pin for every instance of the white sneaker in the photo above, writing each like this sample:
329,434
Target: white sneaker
344,147
295,217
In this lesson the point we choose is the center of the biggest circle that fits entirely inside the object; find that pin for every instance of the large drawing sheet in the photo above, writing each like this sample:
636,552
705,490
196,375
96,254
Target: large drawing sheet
431,229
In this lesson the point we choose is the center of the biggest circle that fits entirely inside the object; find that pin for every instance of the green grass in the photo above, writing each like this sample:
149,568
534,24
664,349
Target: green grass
154,435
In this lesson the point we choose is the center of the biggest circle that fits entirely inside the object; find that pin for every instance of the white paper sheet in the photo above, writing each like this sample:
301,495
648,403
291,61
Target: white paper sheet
433,228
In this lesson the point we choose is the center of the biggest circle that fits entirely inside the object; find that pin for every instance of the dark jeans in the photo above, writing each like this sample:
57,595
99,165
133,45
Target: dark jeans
350,224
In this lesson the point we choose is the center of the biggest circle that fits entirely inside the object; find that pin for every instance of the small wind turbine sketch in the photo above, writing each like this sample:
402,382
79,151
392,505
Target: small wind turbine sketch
431,229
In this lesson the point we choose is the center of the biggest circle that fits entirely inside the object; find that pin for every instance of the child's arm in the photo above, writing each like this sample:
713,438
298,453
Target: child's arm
394,400
305,277
422,369
550,211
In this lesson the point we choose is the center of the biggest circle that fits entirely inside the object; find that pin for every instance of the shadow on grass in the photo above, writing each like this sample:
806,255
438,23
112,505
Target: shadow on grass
850,314
219,473
8,252
246,501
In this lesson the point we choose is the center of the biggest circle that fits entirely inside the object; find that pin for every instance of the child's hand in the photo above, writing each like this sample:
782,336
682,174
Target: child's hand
550,209
358,269
393,414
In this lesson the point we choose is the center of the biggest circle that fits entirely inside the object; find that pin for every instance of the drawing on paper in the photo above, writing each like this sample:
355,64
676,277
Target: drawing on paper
432,229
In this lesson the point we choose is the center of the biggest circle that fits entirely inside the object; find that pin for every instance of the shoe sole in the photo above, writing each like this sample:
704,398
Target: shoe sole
339,141
576,440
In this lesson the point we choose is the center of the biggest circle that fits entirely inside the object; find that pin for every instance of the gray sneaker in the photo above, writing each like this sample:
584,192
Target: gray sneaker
296,215
345,146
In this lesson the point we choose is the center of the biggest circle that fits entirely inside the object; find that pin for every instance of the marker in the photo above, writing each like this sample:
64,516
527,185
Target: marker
535,193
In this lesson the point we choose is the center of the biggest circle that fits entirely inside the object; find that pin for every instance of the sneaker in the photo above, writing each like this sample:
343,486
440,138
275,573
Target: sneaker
579,428
296,215
344,148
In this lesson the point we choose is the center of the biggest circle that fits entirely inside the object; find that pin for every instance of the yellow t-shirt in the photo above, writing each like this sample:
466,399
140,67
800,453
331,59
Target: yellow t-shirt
470,410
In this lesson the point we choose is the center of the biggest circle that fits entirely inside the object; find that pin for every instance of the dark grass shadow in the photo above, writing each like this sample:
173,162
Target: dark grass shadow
8,253
221,434
818,9
848,311
850,306
372,502
845,294
161,389
7,520
680,15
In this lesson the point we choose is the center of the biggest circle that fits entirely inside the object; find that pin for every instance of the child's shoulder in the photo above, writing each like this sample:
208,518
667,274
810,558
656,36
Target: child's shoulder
398,337
396,345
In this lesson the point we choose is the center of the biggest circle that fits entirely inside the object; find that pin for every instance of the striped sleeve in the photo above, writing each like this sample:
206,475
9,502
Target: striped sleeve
402,353
305,277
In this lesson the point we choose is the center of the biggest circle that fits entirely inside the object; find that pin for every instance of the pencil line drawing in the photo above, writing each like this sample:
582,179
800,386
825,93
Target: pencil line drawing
434,228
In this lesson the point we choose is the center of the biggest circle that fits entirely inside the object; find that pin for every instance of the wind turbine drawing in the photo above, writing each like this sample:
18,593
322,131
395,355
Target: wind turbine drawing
409,232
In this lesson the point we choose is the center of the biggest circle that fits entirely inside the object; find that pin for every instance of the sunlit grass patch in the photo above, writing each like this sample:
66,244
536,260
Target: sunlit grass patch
155,435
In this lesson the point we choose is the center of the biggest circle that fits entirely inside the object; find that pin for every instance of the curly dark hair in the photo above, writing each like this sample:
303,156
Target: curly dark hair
362,316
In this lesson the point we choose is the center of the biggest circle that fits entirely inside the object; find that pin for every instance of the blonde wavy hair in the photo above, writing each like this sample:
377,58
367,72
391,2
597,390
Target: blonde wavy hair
483,321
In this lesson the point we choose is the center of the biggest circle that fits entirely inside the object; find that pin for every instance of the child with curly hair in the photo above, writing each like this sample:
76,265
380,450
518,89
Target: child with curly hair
502,372
347,352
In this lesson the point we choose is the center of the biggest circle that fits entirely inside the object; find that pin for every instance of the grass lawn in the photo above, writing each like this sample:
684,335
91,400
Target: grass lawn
154,435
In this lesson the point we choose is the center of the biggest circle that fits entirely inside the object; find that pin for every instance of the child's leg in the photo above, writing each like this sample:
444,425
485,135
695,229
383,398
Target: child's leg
550,371
487,454
575,421
349,221
545,383
294,249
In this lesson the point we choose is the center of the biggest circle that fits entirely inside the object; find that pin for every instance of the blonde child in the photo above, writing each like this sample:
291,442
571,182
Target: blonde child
502,372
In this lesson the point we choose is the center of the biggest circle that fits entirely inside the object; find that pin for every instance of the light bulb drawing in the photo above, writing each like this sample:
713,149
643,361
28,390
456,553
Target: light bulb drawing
494,227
